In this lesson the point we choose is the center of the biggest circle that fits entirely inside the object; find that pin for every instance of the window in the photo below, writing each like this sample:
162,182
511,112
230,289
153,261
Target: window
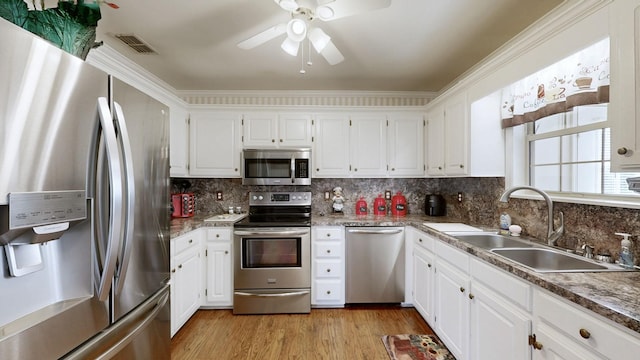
570,153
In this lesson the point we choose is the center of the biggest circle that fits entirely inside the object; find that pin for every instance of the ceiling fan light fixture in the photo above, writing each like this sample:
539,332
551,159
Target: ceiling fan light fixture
325,12
289,5
296,30
290,46
319,39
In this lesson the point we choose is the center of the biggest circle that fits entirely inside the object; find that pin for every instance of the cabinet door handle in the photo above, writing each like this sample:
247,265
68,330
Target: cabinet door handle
419,240
461,289
280,140
623,151
180,266
428,265
461,166
533,342
439,167
585,333
190,241
273,140
471,296
226,251
173,270
317,169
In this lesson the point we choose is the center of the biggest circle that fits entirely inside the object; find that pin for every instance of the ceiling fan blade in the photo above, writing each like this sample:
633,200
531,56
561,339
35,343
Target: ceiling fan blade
263,37
344,8
288,5
332,54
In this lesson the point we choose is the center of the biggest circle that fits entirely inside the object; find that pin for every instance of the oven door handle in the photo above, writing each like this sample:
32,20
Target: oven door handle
294,293
271,233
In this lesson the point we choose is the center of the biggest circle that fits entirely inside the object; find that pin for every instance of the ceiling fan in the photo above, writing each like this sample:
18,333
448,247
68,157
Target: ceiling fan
299,28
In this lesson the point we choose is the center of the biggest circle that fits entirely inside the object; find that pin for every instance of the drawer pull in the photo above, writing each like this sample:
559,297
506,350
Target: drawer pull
585,333
532,341
328,292
217,235
180,266
328,251
461,289
190,241
328,270
471,296
419,240
226,251
328,234
429,265
173,270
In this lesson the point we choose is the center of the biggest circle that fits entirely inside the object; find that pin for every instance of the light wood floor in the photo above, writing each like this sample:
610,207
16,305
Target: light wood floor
350,333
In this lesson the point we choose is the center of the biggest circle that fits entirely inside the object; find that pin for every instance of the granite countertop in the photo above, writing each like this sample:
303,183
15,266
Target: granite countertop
614,295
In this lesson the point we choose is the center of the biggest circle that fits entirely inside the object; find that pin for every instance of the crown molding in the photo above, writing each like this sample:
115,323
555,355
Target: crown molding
334,99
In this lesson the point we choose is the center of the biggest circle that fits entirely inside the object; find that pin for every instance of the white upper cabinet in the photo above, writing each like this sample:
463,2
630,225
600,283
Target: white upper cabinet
368,152
215,144
274,130
179,142
624,107
331,146
464,139
406,141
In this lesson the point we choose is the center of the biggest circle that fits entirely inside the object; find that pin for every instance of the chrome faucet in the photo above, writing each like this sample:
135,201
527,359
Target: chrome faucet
552,235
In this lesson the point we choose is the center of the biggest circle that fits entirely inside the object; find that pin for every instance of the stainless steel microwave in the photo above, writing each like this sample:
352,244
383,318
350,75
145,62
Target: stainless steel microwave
276,167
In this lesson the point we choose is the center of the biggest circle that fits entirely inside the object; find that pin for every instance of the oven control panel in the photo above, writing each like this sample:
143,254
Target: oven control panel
265,198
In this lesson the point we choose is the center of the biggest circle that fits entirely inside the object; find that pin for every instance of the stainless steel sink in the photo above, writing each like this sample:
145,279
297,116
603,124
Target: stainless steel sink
491,240
549,260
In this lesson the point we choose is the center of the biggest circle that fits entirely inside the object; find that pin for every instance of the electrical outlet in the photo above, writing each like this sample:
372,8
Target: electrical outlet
219,195
459,197
387,194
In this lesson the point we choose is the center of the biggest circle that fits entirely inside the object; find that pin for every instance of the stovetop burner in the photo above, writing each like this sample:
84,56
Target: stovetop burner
278,209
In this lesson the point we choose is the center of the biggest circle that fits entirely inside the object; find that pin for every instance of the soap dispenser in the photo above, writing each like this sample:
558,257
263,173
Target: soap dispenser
626,256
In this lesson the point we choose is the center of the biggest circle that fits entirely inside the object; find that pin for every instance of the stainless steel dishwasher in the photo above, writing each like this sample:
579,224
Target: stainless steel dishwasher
375,265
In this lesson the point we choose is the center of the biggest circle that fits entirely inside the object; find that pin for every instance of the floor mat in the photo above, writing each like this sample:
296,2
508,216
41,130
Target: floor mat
416,347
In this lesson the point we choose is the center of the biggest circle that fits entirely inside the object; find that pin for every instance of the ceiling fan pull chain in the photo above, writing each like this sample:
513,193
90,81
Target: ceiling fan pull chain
302,70
309,63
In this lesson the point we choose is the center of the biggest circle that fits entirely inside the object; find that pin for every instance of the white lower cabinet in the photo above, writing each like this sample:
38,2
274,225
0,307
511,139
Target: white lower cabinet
451,303
564,330
423,280
185,278
327,266
218,287
500,322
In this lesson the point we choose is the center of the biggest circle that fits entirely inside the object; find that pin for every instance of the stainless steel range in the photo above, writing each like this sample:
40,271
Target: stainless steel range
272,255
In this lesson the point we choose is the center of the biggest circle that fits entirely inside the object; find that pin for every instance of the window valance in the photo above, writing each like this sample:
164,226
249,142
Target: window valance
580,79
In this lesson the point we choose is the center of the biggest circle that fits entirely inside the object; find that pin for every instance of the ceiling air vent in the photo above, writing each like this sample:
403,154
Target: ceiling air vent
135,43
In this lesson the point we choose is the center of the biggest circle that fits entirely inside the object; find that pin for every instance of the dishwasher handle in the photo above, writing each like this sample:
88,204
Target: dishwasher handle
375,231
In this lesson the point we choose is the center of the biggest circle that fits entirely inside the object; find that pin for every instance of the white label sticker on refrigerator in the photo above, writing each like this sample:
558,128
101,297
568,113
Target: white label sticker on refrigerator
29,209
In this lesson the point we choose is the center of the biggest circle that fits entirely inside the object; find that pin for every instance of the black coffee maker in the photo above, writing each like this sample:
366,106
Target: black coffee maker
434,205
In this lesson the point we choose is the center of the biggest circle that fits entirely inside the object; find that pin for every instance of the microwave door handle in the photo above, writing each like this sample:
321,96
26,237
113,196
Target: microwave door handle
293,169
130,197
115,181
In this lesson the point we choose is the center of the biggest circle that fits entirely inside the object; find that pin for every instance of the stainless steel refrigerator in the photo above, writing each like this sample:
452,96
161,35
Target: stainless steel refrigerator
84,209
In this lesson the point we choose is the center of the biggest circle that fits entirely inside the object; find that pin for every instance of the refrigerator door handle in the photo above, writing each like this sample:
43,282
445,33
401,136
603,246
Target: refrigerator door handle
130,197
126,330
115,206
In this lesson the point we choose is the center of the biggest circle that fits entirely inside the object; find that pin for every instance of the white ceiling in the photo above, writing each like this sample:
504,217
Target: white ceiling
413,45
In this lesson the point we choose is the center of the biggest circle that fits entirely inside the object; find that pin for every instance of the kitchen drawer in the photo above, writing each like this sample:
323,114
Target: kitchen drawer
327,249
424,241
586,328
219,234
328,269
455,257
329,233
513,289
328,290
185,242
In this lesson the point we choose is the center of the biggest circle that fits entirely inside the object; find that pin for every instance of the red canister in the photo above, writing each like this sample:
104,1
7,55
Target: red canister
398,205
361,207
379,206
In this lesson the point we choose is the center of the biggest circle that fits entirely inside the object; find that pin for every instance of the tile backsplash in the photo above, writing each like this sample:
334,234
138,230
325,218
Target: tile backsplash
594,225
